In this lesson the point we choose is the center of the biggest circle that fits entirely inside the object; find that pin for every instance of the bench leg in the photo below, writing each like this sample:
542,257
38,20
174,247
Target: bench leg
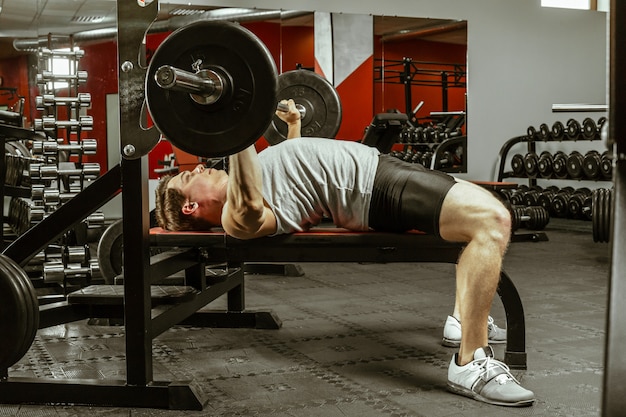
515,353
236,315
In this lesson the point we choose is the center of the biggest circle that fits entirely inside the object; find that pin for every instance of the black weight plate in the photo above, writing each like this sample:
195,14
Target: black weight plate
319,98
111,251
573,129
16,310
606,215
591,166
545,132
558,130
606,167
31,303
518,165
244,111
590,130
575,165
530,164
595,210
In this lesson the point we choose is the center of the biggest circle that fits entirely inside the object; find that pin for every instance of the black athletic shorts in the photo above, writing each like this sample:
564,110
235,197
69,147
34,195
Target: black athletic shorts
407,196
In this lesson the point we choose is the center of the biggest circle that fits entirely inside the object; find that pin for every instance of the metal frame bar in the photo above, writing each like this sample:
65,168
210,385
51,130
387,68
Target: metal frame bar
613,399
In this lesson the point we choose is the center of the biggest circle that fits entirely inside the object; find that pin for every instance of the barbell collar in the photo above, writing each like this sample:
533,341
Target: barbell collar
204,87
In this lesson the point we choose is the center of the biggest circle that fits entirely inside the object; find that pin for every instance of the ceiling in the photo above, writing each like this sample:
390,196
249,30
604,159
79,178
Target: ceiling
31,19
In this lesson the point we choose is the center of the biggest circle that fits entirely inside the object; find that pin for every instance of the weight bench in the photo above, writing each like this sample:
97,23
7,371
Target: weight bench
331,244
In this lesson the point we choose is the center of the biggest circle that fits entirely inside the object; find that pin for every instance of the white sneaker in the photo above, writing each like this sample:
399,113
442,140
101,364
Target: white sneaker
452,332
489,380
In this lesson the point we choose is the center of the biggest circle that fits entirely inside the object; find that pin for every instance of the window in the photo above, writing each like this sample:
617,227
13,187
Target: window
600,5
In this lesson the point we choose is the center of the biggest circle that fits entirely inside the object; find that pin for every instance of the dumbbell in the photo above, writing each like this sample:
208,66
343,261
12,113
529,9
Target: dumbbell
590,129
15,166
592,165
573,129
47,76
88,170
417,157
406,135
545,197
544,164
533,218
405,154
575,162
72,52
449,159
530,164
418,135
48,100
517,164
52,147
606,165
56,272
577,201
558,130
49,123
559,165
600,124
530,197
427,158
542,134
53,197
23,214
559,202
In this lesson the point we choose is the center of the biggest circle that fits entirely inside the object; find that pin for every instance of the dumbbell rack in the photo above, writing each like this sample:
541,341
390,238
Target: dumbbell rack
439,145
572,132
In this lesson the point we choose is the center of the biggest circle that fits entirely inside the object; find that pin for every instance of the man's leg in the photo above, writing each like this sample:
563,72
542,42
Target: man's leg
452,329
473,215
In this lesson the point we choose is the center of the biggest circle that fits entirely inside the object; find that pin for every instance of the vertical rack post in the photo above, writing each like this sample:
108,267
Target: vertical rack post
613,399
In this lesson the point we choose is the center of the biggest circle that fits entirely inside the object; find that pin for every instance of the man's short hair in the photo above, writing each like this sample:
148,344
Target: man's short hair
169,209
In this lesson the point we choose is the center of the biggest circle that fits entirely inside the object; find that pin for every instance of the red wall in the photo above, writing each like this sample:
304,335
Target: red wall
14,72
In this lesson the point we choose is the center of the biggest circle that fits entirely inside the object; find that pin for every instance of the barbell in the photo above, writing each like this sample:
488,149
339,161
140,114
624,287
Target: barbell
212,89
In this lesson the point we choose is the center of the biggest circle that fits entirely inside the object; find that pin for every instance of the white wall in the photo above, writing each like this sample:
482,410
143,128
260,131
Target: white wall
522,58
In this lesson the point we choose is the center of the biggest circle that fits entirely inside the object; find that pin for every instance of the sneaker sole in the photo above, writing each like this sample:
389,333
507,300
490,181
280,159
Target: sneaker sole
458,389
456,343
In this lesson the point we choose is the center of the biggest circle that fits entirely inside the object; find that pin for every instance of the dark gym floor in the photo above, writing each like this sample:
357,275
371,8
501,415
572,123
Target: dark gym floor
362,340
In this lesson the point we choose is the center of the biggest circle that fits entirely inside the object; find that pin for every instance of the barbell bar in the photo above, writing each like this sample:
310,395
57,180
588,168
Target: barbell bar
204,86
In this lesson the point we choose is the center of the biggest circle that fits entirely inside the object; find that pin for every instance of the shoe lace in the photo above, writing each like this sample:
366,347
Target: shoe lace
488,365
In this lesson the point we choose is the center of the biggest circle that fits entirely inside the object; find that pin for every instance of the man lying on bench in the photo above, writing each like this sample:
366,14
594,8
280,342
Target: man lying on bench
292,186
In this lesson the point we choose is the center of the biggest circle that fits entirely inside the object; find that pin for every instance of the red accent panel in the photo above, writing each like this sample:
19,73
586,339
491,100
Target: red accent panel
356,93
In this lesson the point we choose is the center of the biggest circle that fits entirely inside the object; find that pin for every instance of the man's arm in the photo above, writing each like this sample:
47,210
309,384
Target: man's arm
292,118
245,215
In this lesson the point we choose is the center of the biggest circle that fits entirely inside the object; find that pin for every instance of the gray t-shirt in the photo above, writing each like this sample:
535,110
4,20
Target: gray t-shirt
307,179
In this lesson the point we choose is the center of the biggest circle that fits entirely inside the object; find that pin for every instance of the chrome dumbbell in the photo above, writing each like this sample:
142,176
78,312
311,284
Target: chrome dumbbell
52,147
49,123
48,100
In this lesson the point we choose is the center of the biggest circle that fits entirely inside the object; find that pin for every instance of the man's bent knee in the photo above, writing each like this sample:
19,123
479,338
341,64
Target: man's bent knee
469,212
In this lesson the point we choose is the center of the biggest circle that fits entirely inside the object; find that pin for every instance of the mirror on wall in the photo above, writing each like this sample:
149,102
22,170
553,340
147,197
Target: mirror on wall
378,64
